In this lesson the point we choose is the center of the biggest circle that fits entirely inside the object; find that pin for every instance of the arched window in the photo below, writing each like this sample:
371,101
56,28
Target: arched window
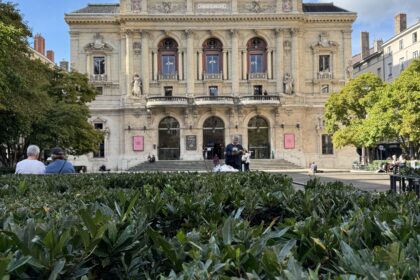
212,58
168,59
257,55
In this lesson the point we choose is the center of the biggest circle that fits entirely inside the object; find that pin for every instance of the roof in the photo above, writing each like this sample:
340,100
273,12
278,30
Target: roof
99,9
322,8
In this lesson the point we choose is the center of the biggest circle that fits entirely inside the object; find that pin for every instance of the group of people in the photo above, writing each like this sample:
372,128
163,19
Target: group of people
393,164
32,164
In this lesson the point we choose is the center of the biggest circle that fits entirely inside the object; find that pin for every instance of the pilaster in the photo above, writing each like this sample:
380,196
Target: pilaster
279,61
235,64
190,62
145,60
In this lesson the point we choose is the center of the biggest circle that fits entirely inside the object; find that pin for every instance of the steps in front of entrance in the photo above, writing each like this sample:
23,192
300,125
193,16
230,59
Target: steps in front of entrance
192,166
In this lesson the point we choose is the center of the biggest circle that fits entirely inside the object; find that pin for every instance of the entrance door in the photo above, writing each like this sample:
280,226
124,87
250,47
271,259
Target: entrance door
258,138
169,139
214,138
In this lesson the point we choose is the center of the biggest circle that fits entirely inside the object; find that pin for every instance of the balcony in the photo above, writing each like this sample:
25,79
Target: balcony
212,76
98,78
173,101
325,75
257,76
260,100
214,100
168,76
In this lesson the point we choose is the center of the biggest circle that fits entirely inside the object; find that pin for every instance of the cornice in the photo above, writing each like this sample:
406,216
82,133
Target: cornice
127,18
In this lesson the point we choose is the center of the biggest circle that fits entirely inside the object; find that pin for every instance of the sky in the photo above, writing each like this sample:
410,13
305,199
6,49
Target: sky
374,16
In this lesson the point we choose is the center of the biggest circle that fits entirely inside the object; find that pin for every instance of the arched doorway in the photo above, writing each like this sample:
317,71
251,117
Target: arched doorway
258,138
169,139
214,137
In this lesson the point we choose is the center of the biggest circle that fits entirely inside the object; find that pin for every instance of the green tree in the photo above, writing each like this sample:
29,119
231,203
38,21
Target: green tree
395,115
38,104
346,110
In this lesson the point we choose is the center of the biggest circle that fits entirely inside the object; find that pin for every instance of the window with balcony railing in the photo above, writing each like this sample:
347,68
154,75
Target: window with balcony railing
257,58
168,62
212,59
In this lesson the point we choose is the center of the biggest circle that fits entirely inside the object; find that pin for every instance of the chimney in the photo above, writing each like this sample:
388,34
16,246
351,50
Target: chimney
39,44
50,55
364,41
377,45
400,23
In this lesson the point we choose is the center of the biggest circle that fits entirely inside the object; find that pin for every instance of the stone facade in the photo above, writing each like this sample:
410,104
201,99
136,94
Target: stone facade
179,76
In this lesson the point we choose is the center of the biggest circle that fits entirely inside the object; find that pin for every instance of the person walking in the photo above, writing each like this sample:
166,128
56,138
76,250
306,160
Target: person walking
31,165
234,152
59,164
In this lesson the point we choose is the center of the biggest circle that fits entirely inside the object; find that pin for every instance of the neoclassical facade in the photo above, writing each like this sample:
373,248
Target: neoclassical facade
178,77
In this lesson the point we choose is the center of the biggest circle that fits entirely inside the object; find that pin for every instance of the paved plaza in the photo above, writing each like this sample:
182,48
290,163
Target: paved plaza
366,181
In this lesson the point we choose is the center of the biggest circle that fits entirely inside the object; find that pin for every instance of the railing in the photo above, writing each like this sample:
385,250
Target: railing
325,76
168,76
212,76
214,100
260,152
260,99
98,77
403,183
167,100
257,76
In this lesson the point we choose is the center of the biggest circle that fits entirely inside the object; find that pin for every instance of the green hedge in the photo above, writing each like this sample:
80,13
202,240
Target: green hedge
203,226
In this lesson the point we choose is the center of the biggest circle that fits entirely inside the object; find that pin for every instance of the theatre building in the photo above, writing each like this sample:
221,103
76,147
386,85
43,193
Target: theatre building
178,77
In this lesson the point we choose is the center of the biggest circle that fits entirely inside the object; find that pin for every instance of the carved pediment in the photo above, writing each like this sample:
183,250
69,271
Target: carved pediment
98,44
324,42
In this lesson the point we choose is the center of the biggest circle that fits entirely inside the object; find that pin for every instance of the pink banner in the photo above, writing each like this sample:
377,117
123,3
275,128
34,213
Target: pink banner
289,141
138,143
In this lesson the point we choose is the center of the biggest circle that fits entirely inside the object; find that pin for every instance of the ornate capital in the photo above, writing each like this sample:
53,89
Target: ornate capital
234,32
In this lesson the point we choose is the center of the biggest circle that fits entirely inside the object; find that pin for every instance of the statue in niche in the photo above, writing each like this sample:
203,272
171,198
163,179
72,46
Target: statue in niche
136,86
288,84
287,5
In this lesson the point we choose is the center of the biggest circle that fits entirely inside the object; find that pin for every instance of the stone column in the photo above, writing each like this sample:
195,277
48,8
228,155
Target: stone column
269,72
225,65
200,65
189,69
123,61
89,64
235,64
144,7
128,60
145,61
347,54
295,59
244,61
234,6
155,64
190,7
279,61
180,66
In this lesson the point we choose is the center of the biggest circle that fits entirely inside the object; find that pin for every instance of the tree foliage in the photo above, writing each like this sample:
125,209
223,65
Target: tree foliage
366,112
38,104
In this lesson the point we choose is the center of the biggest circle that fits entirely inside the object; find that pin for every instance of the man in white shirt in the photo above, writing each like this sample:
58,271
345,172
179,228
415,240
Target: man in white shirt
31,165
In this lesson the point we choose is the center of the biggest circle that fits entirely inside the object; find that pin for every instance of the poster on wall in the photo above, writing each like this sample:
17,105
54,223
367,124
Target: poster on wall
191,142
138,143
289,141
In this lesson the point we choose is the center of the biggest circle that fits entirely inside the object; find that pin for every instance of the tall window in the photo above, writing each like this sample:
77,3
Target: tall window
100,153
327,145
401,44
401,64
390,69
414,37
415,54
378,72
168,62
324,63
389,49
99,65
257,55
213,58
